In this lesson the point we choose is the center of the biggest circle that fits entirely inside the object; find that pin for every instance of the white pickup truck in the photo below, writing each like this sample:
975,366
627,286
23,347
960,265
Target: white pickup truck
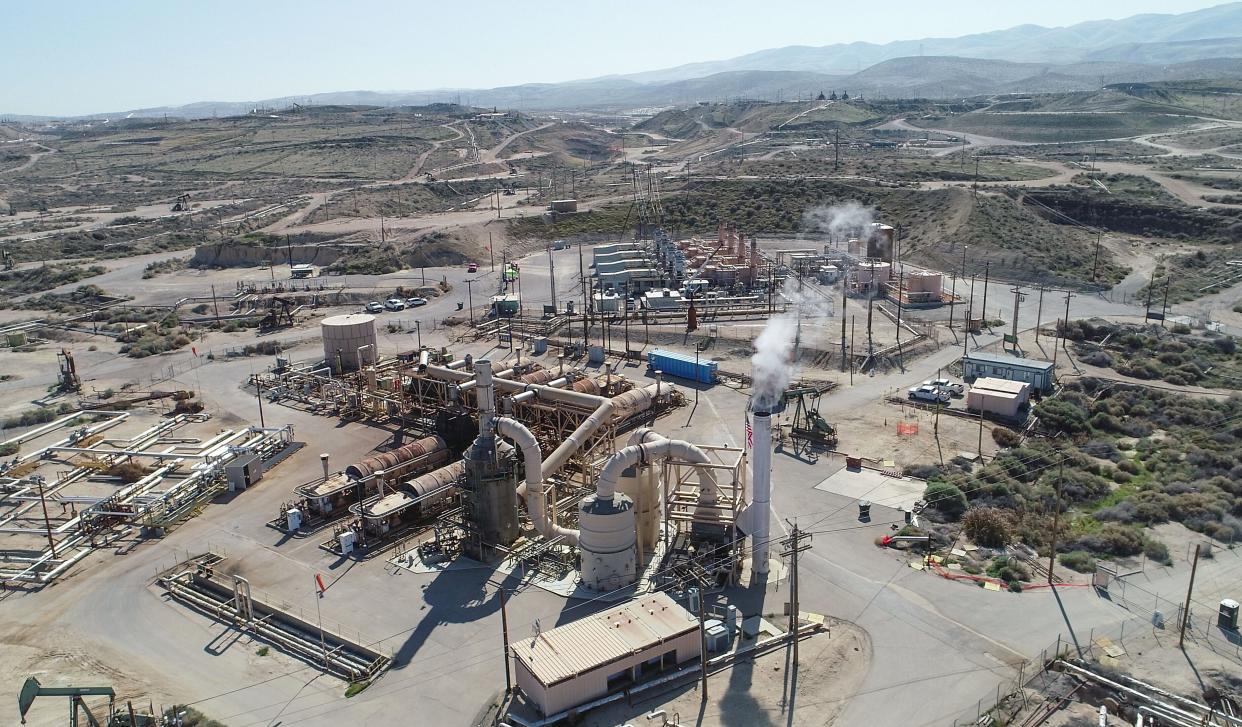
930,393
953,387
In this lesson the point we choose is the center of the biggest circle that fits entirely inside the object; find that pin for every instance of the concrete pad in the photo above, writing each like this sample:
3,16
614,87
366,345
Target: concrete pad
896,492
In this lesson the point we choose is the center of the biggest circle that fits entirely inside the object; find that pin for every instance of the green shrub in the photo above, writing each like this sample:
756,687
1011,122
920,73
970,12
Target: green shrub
1008,569
1113,539
946,498
1157,551
1077,560
9,448
1059,415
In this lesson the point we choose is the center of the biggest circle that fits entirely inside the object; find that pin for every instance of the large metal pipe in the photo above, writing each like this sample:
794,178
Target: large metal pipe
761,490
1176,711
649,450
533,490
553,462
390,462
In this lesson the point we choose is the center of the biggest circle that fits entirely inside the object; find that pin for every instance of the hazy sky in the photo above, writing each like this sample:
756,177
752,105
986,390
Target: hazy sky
92,56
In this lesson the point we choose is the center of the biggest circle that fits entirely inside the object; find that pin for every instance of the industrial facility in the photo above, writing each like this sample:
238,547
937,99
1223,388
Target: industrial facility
515,465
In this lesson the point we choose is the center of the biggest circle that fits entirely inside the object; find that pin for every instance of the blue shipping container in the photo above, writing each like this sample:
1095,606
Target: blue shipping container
682,366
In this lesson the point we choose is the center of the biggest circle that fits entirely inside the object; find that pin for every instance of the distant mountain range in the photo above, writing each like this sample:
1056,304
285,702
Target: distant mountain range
1024,59
1147,38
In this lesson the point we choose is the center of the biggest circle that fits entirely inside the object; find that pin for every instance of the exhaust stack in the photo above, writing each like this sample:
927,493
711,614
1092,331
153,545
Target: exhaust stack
761,489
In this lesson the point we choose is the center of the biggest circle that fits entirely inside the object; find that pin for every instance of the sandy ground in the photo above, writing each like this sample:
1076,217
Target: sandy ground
763,692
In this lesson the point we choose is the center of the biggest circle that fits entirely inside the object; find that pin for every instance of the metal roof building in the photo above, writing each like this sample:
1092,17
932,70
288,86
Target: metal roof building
588,658
980,364
998,396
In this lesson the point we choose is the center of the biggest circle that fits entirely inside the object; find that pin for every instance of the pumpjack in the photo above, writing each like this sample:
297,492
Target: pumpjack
808,426
32,688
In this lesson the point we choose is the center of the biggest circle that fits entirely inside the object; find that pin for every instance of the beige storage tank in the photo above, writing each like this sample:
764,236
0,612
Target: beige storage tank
924,287
874,272
344,335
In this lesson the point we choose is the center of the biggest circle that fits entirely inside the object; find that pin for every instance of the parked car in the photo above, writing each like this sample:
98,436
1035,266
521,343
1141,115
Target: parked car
394,304
929,393
415,302
472,268
374,307
953,387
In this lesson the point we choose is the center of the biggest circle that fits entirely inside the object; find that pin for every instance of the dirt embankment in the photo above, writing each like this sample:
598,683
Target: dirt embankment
229,255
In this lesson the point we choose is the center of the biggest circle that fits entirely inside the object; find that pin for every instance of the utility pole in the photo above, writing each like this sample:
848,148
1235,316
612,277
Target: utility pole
702,641
836,148
1061,329
1017,300
870,339
470,297
1039,311
794,546
843,301
586,291
952,299
983,310
976,185
47,523
1164,307
1095,264
552,275
901,359
851,350
1150,285
625,308
970,312
214,304
258,394
491,254
1056,520
504,632
1194,565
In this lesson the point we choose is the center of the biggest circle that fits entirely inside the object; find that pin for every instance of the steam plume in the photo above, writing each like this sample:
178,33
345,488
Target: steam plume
773,364
839,221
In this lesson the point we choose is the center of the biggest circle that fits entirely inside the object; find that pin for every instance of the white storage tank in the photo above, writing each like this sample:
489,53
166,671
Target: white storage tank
344,335
293,519
608,542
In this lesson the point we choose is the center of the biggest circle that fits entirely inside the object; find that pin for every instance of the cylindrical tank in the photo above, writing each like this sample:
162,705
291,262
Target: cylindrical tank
607,542
433,481
634,401
585,386
930,284
293,519
345,334
874,272
540,376
392,462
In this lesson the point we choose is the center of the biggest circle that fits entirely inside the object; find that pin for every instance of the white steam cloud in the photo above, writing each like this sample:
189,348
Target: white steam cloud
840,220
773,364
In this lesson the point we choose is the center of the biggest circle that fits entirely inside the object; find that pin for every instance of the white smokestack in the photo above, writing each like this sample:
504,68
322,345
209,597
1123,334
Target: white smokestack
485,395
761,489
323,459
